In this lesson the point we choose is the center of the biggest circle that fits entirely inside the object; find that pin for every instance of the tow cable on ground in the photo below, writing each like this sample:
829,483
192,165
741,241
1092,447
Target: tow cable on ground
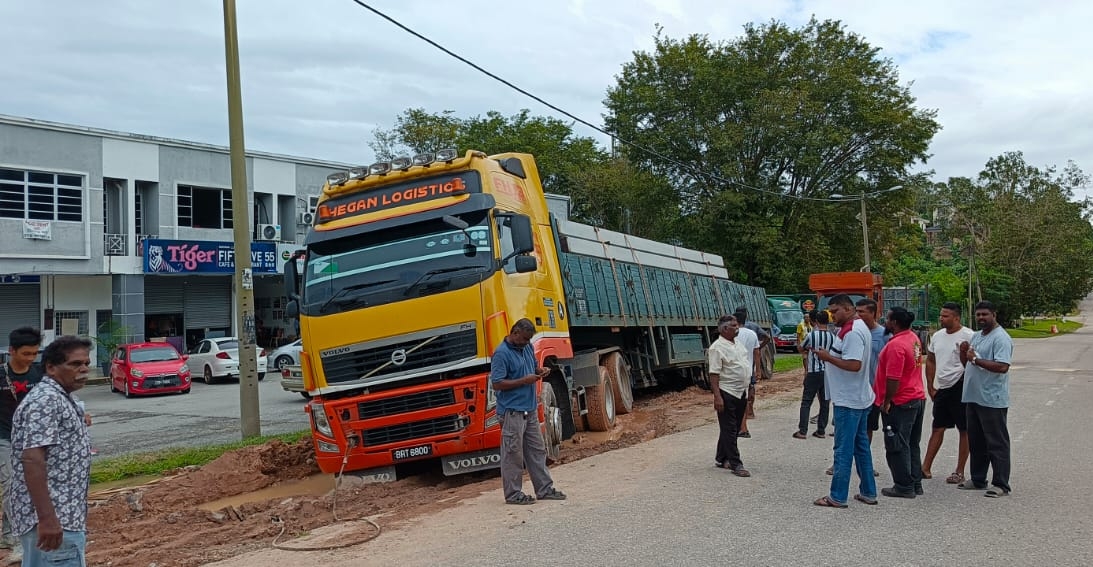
334,510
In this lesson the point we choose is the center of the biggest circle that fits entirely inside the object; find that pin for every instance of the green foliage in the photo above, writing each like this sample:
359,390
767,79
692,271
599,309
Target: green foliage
142,464
1041,329
808,112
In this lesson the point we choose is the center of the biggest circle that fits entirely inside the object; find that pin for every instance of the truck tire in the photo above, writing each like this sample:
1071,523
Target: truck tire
552,423
619,375
601,404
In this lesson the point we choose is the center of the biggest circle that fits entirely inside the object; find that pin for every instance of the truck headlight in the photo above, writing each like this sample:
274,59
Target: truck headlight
319,420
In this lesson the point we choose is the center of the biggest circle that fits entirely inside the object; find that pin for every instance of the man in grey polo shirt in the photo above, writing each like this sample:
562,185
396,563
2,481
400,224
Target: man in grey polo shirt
986,361
514,375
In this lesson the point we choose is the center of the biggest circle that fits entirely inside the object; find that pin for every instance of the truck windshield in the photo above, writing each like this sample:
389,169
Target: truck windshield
788,318
386,266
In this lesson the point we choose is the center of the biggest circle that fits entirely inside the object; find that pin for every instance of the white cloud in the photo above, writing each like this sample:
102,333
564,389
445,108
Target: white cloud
318,77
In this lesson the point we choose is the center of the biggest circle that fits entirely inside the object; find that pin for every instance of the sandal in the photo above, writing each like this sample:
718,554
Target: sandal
741,472
970,485
554,494
995,492
955,478
826,501
799,435
521,500
865,499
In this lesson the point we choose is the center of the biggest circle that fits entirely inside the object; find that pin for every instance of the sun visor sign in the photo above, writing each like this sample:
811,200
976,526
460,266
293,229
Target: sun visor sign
410,192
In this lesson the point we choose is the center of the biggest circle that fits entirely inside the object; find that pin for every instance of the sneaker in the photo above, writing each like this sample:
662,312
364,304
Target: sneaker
554,494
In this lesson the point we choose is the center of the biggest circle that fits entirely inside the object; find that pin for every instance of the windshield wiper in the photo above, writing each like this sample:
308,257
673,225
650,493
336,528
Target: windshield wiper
431,273
341,292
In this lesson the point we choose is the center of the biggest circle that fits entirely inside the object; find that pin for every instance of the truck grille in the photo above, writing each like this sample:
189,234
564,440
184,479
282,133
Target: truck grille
446,348
405,404
416,430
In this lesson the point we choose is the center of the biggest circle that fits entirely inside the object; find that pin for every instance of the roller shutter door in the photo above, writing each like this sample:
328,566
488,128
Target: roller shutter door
208,302
163,295
19,306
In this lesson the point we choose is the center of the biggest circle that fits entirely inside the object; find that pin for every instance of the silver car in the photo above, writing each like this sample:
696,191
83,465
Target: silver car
287,355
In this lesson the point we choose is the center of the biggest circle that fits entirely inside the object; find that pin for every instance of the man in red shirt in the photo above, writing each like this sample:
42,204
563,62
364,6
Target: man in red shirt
902,399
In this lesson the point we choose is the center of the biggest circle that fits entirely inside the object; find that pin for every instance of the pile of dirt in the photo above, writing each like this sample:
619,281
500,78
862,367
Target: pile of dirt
170,522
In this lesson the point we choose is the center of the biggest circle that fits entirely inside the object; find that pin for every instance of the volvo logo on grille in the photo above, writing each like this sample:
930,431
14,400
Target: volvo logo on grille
398,358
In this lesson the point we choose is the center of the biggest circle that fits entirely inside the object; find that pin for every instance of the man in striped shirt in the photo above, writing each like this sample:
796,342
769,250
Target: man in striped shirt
818,338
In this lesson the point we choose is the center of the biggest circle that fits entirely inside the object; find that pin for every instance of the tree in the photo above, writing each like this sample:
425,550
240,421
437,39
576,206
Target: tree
775,113
1030,243
559,153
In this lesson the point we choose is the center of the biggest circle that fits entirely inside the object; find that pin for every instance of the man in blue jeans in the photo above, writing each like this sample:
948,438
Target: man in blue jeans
51,461
850,389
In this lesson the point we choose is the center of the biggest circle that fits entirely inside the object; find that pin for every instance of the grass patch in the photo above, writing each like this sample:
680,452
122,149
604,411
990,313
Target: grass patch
784,362
1041,328
158,462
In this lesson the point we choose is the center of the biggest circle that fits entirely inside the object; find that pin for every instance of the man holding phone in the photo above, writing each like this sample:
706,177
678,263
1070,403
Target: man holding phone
514,374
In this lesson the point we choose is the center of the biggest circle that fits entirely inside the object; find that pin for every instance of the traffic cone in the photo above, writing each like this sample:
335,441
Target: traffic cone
1055,329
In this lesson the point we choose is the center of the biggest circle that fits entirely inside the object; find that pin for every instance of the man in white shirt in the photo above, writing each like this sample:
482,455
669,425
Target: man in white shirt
730,375
945,385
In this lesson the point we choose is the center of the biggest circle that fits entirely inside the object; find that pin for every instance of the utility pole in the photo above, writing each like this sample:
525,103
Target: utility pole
865,234
244,278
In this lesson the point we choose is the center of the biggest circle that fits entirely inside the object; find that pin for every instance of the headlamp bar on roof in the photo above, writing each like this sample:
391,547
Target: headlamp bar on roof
448,154
402,162
337,178
379,168
423,159
358,172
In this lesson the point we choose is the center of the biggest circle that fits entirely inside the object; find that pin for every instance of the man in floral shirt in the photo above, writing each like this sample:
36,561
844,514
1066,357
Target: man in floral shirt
51,461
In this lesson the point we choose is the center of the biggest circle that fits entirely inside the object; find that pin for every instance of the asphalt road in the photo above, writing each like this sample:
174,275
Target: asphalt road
663,503
208,415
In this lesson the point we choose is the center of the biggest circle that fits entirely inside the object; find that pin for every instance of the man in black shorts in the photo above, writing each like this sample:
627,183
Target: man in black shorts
945,385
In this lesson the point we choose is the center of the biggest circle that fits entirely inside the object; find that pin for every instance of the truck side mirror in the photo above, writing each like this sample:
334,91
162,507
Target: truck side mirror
292,276
292,309
525,264
523,241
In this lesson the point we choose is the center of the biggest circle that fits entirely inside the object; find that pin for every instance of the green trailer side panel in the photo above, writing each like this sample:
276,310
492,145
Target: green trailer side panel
602,294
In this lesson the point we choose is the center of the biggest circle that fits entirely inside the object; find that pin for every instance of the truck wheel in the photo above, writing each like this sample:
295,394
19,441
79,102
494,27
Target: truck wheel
601,404
619,374
552,424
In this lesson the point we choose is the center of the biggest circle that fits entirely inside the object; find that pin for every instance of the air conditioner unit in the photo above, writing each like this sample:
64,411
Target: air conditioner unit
269,232
307,217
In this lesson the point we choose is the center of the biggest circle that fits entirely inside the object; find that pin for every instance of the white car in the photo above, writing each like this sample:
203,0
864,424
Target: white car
214,359
287,355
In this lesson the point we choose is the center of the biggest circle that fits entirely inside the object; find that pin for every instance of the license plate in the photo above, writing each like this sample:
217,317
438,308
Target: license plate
411,452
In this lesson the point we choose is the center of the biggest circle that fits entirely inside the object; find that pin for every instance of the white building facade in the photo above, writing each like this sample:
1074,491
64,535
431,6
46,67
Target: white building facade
107,230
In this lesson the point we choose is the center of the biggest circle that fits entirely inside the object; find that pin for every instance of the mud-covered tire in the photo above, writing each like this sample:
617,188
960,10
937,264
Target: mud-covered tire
601,404
618,372
552,423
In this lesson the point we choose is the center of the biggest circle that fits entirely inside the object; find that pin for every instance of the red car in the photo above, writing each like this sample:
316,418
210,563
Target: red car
149,368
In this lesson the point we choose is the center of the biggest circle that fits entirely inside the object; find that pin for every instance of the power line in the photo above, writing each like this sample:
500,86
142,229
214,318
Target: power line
595,127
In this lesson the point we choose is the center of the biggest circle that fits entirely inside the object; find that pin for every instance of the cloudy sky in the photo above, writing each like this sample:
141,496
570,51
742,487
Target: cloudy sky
319,76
